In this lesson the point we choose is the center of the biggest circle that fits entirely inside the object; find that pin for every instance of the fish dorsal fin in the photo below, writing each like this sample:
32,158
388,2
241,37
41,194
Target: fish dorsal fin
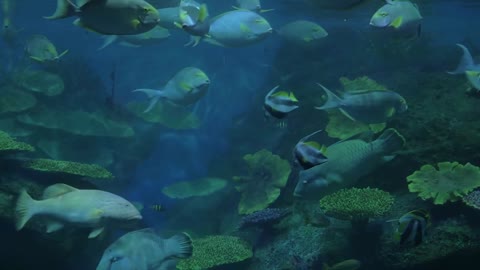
362,91
203,13
397,22
310,135
57,190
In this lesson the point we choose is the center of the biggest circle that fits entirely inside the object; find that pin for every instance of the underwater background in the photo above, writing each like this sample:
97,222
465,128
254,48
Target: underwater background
221,169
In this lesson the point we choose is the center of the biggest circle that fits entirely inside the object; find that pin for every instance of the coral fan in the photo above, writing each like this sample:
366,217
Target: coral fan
357,203
200,187
450,182
216,250
268,173
9,144
68,167
264,217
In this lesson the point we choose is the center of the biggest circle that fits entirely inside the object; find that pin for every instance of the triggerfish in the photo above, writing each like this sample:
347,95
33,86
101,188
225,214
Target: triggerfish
279,104
146,250
401,15
412,226
467,66
366,106
348,161
62,204
309,153
185,88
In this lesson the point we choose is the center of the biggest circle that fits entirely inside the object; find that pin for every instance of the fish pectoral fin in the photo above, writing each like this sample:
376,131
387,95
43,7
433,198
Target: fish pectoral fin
96,213
135,23
397,22
307,39
96,232
38,59
53,226
62,54
390,112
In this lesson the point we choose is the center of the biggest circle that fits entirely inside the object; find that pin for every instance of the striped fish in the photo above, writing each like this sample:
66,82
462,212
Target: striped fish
412,226
279,104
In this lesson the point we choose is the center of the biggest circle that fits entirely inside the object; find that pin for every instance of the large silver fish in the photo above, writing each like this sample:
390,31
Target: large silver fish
467,66
146,250
348,161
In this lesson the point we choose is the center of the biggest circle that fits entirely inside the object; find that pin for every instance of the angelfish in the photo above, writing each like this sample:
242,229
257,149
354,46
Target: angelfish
467,66
279,104
309,153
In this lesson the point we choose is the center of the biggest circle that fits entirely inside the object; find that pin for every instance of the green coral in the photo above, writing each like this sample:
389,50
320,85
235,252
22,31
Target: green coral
214,251
267,174
357,203
40,81
166,114
450,182
69,167
201,187
9,144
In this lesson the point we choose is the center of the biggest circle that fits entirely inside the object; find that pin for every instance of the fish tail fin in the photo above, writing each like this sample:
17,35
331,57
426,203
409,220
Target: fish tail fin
466,62
108,40
333,101
391,140
65,9
24,209
180,245
153,95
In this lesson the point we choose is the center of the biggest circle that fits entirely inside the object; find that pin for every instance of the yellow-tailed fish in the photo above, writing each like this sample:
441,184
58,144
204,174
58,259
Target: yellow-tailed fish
41,49
309,153
110,17
194,20
398,14
303,33
279,104
468,67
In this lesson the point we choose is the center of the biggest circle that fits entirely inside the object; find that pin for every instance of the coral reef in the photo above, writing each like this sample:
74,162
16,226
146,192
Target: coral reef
357,203
7,144
265,217
68,167
473,199
217,250
199,187
450,181
40,81
268,173
166,114
15,100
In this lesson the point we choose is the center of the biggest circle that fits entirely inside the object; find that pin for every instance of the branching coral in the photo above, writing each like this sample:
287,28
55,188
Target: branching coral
268,173
68,167
200,187
450,182
214,251
9,144
357,203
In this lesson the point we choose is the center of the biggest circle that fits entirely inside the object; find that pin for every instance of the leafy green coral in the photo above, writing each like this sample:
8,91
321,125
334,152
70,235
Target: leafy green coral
450,182
214,251
166,114
267,174
9,144
357,203
201,187
69,167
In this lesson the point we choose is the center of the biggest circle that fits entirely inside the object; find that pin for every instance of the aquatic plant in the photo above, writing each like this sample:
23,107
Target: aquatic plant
450,181
264,217
8,144
357,203
267,174
77,122
15,100
216,250
201,187
68,167
166,114
40,81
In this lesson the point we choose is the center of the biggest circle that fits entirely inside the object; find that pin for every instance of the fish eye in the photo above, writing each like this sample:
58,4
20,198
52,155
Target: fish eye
115,259
383,14
305,181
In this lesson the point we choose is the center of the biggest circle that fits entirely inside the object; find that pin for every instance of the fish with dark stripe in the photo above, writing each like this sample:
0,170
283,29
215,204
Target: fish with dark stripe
412,226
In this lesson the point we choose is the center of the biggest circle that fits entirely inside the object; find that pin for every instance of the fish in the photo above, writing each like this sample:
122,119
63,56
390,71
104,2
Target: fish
468,67
193,20
109,17
238,28
170,16
41,49
146,250
279,104
401,15
152,37
309,154
157,207
348,160
366,106
185,88
412,227
62,204
351,264
302,32
252,5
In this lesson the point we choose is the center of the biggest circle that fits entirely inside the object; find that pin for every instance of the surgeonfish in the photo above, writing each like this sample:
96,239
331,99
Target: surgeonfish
366,106
146,250
401,15
41,49
238,28
252,5
309,153
467,66
110,17
62,204
279,104
348,160
302,33
152,37
412,226
185,88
